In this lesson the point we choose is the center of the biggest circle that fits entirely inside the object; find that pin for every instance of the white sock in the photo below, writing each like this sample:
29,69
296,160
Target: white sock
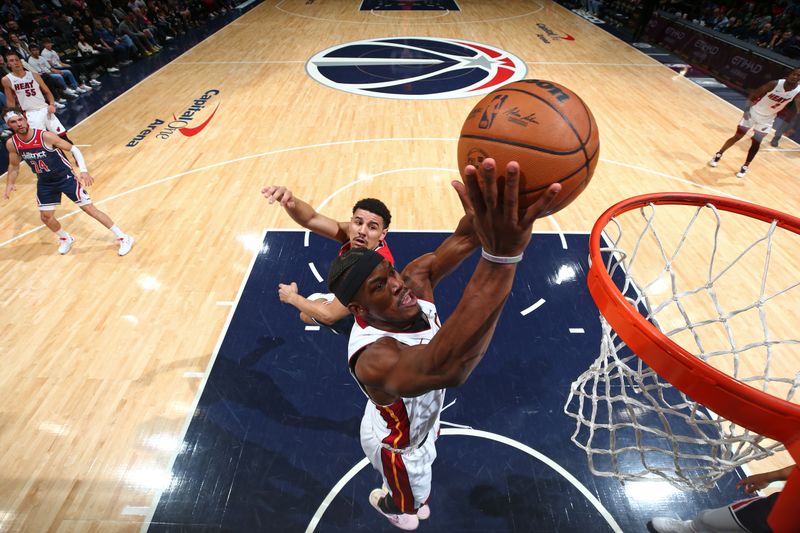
62,234
118,232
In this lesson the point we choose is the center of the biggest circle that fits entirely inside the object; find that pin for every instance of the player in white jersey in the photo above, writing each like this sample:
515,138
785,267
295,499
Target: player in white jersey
762,108
398,353
33,97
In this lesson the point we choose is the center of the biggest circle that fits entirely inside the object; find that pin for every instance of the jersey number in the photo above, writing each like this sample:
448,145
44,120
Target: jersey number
30,92
39,167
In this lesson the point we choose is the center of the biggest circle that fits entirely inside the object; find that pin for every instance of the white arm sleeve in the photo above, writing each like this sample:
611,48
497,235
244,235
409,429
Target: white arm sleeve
79,158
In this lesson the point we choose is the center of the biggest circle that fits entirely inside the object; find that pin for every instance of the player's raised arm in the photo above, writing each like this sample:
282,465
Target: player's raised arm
390,369
305,215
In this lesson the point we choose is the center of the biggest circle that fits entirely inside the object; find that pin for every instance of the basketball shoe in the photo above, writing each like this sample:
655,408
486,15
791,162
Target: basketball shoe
742,171
125,244
670,525
424,512
66,244
715,160
406,522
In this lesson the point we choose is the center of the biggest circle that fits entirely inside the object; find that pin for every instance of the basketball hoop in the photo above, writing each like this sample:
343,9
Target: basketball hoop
698,298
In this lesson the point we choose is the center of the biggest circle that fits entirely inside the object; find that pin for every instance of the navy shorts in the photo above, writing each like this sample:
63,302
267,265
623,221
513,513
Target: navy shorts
48,192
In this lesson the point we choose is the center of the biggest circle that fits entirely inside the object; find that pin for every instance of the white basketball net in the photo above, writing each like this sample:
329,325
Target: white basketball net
736,310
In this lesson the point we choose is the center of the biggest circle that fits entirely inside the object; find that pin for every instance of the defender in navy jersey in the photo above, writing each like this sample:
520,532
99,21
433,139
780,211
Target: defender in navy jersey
366,228
745,516
400,355
43,151
762,107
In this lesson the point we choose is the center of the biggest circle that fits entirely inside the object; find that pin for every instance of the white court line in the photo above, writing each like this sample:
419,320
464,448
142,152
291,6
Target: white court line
239,62
312,328
591,64
196,375
132,510
314,271
408,22
577,330
337,143
200,389
537,305
315,519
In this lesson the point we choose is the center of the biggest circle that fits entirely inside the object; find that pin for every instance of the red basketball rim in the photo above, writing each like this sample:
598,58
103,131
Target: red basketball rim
746,406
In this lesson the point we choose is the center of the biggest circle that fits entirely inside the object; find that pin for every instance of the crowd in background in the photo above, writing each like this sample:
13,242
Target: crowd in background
72,42
773,25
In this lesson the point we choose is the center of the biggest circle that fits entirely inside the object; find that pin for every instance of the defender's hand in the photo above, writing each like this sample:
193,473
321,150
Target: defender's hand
503,229
9,189
287,292
275,193
86,179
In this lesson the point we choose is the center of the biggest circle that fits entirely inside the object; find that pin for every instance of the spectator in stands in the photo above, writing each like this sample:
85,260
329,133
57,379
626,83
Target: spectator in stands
102,57
143,42
19,46
64,32
63,77
84,66
10,9
123,46
764,35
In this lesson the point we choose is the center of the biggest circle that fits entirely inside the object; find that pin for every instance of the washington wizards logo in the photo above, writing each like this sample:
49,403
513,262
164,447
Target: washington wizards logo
415,68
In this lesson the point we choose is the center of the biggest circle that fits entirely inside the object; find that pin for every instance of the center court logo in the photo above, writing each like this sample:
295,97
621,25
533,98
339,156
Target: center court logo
415,68
182,123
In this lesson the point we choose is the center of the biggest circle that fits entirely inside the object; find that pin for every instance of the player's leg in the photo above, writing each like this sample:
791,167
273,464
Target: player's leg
51,123
75,192
760,130
741,130
37,118
48,196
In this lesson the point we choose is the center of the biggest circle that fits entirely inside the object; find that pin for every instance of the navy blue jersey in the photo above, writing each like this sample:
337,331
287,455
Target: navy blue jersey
48,163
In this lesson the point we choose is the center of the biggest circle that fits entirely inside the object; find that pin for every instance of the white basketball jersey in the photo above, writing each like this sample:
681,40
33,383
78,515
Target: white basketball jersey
407,422
775,100
29,94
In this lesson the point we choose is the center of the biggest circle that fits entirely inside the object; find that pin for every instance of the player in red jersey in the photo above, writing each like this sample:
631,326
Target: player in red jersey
366,228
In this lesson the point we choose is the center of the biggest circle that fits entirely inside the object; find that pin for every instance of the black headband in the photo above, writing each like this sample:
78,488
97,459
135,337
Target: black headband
356,275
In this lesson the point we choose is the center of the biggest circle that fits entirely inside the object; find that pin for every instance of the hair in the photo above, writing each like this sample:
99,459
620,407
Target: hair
373,205
34,45
15,110
11,53
342,265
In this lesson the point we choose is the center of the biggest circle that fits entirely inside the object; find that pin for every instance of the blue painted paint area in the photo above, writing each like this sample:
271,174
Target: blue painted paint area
409,5
277,423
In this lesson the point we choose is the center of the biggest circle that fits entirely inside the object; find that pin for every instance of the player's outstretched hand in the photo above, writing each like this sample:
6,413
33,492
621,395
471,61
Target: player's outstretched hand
502,227
750,484
287,292
276,193
9,189
86,179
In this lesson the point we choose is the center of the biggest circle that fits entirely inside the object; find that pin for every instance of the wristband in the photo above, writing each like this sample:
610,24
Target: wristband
499,259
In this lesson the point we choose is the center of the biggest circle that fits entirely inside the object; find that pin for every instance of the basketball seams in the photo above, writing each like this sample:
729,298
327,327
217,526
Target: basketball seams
510,143
520,145
564,117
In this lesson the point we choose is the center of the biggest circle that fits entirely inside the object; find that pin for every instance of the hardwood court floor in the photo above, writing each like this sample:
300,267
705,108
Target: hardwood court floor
103,356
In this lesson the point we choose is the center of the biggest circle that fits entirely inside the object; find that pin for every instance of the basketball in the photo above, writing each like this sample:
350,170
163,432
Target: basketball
543,126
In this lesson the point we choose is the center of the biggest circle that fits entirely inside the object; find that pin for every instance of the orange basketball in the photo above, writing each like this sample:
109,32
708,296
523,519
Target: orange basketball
543,126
